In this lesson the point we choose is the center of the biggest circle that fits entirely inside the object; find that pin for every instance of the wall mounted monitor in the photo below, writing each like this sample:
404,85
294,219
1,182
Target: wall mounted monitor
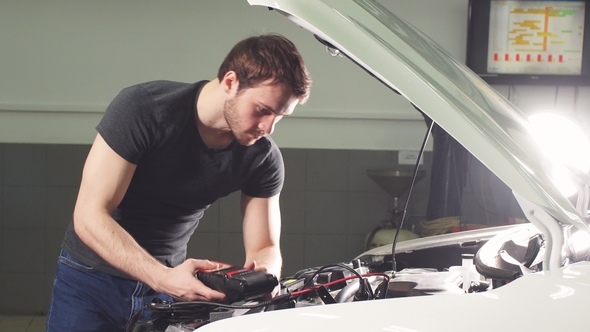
530,41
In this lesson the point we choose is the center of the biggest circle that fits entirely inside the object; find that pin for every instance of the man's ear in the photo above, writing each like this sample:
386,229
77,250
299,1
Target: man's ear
230,83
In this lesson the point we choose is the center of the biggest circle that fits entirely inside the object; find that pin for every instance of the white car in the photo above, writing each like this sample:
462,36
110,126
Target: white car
528,277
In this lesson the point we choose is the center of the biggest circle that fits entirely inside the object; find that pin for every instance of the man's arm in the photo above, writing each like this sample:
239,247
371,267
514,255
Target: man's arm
105,180
262,231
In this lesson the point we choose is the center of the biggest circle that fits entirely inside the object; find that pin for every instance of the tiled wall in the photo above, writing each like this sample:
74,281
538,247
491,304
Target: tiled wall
38,188
328,205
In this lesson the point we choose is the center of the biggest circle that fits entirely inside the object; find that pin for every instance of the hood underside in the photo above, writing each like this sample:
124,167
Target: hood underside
445,90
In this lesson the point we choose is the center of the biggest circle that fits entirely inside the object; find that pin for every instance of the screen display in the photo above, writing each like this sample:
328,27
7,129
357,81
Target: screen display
536,37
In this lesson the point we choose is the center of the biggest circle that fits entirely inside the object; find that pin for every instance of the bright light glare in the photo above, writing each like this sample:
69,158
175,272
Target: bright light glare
564,143
579,241
563,292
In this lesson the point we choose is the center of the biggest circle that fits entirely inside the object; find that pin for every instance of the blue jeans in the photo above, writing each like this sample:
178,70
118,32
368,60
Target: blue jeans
85,299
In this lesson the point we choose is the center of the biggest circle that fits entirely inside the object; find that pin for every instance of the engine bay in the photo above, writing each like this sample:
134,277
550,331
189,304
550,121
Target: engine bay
474,264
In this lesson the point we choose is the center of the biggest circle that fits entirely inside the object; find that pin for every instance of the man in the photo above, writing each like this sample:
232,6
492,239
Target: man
164,152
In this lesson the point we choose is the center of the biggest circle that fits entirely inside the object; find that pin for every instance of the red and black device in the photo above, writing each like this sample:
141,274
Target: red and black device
240,284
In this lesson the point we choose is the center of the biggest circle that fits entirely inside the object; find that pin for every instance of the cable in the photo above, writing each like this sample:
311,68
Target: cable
190,310
325,267
334,282
176,307
159,306
176,312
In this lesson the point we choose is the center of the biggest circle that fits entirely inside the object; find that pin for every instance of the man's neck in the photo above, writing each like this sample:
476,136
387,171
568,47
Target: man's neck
211,122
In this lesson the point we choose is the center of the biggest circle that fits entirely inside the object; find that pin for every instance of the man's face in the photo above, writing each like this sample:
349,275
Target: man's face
252,113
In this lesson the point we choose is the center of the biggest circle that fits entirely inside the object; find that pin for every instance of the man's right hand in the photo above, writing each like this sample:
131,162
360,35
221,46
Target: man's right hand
182,284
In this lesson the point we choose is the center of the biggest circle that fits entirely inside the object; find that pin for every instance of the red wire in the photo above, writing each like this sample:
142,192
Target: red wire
303,291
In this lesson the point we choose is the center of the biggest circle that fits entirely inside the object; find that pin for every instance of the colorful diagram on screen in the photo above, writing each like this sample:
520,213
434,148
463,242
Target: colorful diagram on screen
536,37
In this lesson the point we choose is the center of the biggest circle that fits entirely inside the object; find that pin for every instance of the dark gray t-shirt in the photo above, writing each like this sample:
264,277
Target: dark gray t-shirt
153,125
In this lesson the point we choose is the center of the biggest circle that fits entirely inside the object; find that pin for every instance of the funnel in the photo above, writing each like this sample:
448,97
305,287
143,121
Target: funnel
394,182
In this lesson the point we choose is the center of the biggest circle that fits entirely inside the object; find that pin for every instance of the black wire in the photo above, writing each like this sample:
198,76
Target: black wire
325,267
185,310
383,287
192,306
133,320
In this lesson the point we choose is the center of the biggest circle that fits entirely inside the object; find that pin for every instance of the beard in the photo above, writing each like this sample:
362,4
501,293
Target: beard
244,137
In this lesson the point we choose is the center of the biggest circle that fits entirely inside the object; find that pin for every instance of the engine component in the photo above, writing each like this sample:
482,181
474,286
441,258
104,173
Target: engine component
240,285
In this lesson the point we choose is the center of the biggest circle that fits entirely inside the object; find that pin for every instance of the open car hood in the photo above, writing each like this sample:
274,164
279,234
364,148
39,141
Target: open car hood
444,89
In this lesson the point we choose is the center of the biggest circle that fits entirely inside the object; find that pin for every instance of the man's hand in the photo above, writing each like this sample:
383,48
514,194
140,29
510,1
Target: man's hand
181,282
253,266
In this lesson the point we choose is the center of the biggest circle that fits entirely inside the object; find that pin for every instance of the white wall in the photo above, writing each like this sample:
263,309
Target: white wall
62,61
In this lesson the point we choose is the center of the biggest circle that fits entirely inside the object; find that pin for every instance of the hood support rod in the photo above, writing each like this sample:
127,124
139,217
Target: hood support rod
403,218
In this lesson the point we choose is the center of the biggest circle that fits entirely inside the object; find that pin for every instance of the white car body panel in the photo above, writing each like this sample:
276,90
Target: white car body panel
441,240
547,301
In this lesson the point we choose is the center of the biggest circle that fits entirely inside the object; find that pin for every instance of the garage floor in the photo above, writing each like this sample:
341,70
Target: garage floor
22,323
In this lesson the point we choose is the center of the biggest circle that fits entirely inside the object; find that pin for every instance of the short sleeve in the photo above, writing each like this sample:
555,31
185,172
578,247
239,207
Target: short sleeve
130,123
267,180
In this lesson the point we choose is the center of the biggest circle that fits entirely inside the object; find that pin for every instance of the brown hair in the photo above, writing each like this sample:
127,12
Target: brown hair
271,56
